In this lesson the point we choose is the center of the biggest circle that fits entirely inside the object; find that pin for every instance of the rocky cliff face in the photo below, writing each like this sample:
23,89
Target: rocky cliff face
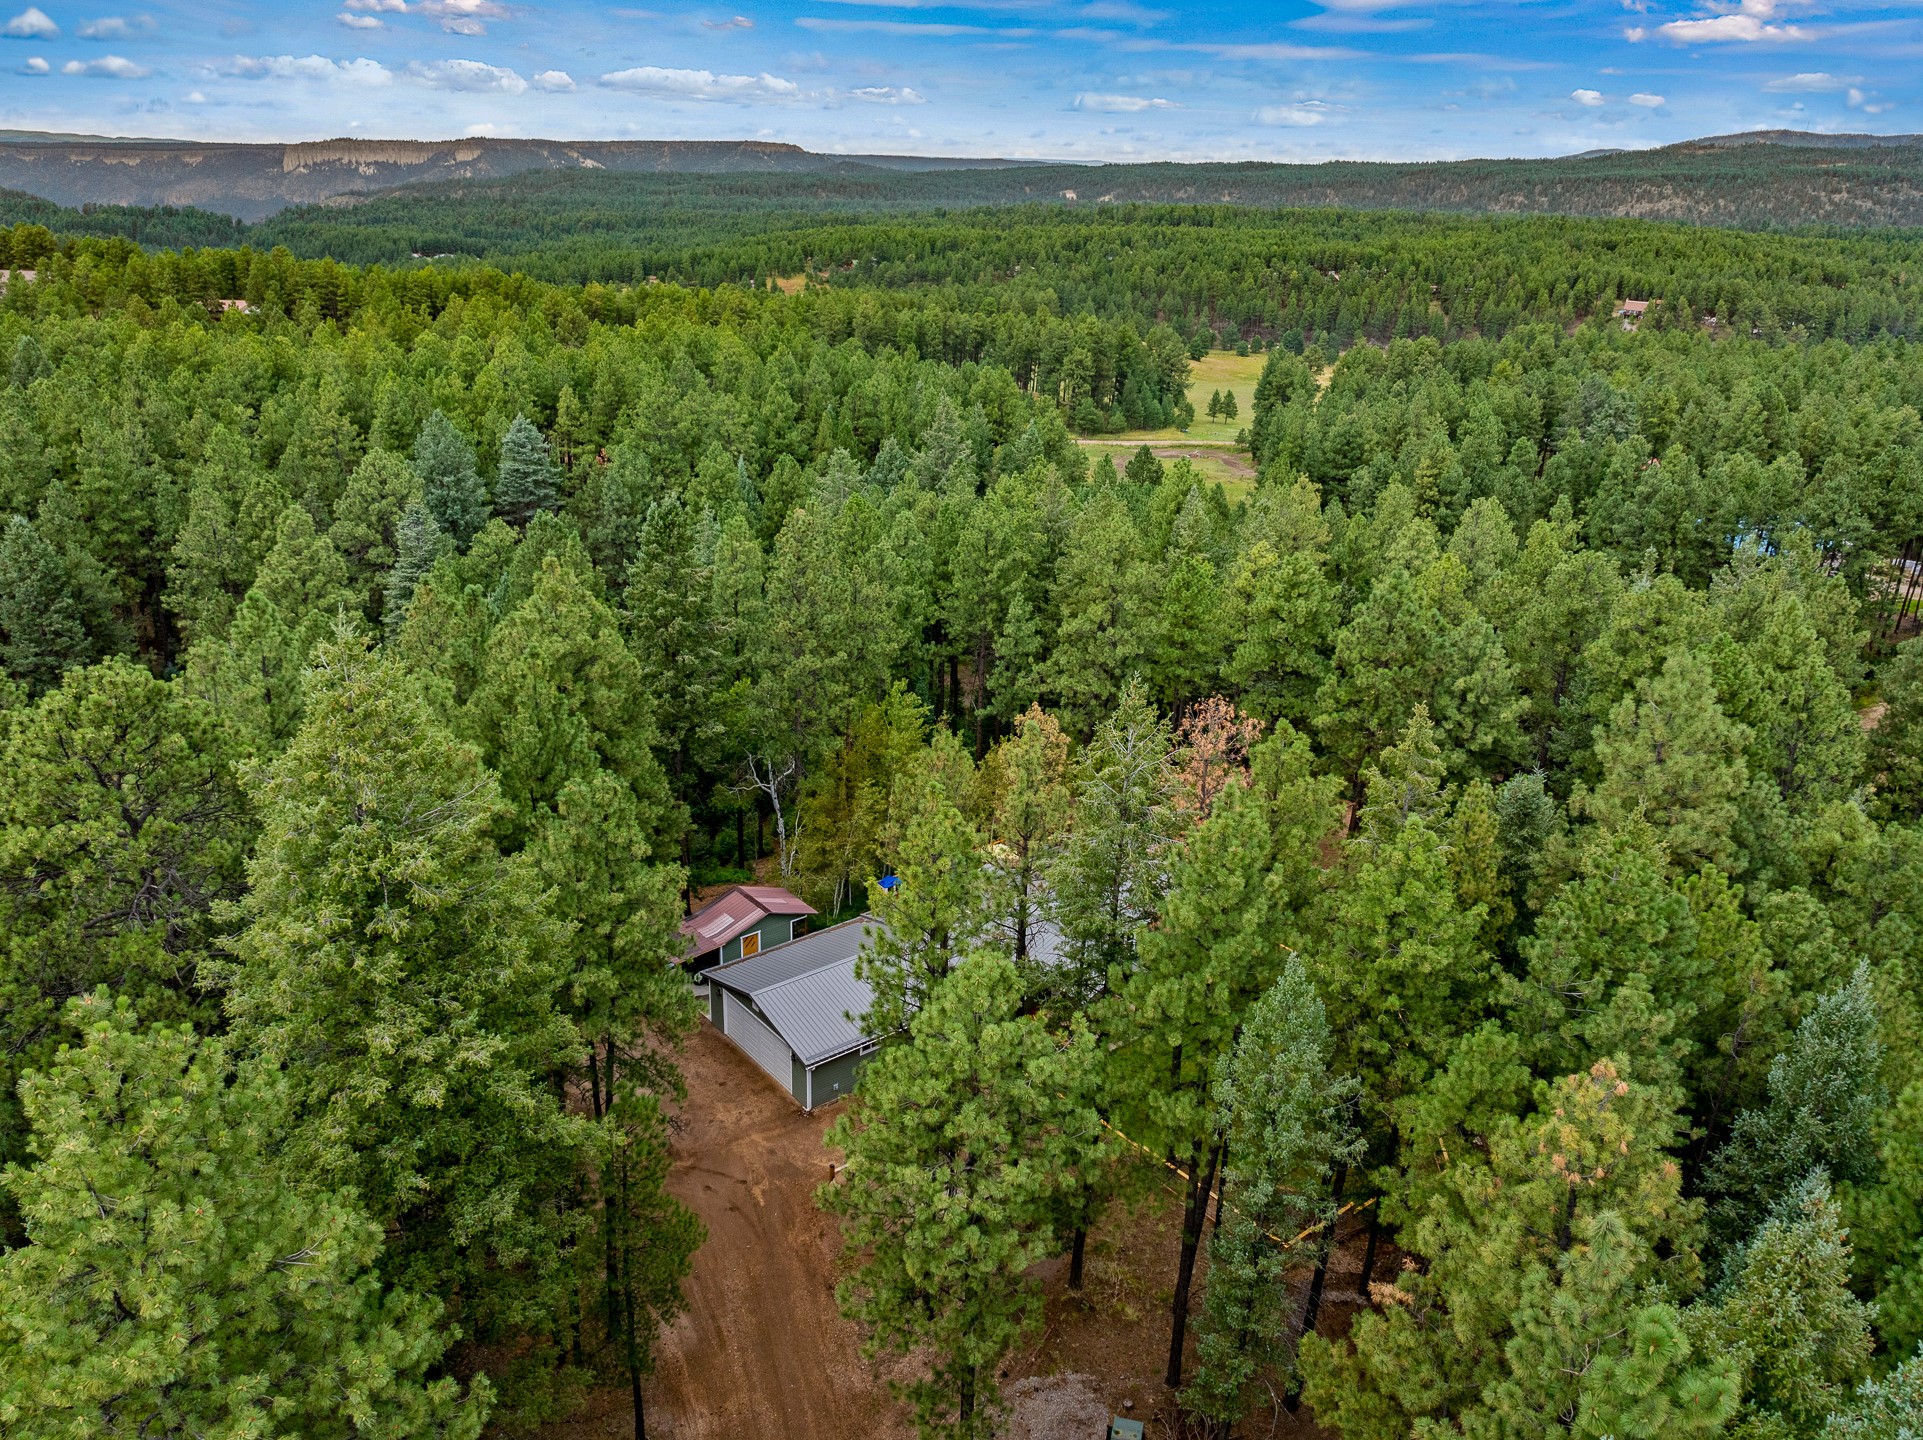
254,181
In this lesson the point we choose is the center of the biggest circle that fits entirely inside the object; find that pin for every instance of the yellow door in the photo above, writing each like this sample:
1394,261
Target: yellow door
750,944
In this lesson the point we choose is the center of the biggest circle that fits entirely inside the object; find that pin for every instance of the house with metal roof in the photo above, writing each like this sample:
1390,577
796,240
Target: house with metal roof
796,1009
742,921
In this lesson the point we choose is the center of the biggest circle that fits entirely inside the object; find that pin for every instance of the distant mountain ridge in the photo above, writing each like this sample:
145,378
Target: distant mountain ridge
1751,179
253,181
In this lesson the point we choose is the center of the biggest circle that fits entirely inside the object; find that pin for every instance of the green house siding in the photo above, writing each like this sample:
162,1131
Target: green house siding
774,930
798,1079
835,1078
714,1004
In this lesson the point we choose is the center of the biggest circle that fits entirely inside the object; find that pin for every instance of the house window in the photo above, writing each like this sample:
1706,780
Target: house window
750,944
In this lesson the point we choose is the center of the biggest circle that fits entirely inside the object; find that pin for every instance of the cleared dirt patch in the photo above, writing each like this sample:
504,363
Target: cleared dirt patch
763,1351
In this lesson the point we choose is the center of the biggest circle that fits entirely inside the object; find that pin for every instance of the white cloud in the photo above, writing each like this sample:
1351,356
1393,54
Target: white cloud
1742,29
1809,82
1586,97
887,95
32,23
1647,101
389,7
107,67
738,22
1744,23
557,80
115,27
35,65
1122,104
361,22
701,84
1301,114
1869,102
461,17
470,75
194,97
361,72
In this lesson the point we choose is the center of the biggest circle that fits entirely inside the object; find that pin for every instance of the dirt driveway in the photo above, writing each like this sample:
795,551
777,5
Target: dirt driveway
761,1349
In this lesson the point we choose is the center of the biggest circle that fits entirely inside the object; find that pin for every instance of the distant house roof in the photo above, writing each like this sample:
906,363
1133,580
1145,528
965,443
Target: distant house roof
736,911
1634,307
807,989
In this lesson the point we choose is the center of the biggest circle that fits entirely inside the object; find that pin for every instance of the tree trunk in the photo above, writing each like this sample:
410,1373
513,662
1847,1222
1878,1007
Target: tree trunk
1314,1306
1368,1251
1075,1257
965,1405
1194,1212
740,838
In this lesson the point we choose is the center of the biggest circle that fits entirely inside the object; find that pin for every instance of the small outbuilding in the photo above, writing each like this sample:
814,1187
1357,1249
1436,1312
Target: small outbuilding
742,921
796,1009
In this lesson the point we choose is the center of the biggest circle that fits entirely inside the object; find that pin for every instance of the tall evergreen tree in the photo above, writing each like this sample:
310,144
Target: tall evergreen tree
1787,1310
674,638
41,631
525,484
934,912
1669,752
1554,1247
1895,761
121,827
1288,1125
1824,1094
958,1144
178,1280
1110,875
417,544
451,486
406,976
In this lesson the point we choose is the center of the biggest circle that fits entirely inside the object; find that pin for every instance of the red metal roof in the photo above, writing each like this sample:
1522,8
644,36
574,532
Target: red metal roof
736,911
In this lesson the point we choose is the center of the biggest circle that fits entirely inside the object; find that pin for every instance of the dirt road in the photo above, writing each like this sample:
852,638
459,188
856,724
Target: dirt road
761,1349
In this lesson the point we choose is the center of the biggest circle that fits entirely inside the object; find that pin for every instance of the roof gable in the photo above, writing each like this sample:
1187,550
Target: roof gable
736,911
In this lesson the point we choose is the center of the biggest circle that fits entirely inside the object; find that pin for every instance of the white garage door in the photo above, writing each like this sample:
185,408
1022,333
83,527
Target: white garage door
751,1033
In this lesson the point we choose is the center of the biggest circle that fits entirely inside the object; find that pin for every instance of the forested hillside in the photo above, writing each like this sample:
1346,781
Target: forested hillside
1503,823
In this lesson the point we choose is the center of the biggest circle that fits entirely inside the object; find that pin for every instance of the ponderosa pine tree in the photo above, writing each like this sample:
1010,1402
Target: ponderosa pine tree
1552,1252
451,486
41,631
1110,874
406,976
252,676
649,1238
673,634
1102,593
1403,970
934,913
1288,1125
1670,753
1895,762
958,1145
1218,946
367,519
525,484
178,1279
1415,641
1033,806
1613,966
121,826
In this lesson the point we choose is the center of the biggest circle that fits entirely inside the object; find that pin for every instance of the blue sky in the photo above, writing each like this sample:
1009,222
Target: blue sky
1076,79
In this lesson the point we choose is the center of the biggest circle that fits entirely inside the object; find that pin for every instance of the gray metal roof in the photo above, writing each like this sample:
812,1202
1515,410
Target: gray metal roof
807,989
